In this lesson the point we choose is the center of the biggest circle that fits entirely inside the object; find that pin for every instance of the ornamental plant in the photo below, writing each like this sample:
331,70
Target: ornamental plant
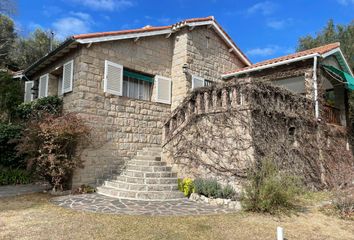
51,146
186,186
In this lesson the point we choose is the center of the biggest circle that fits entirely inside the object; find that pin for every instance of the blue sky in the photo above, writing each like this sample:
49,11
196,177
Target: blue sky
262,29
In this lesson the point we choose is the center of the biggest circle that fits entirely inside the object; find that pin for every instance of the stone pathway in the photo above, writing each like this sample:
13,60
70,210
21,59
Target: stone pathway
103,204
16,190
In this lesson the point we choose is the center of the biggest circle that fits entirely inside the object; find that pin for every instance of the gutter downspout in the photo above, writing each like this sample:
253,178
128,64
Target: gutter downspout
315,87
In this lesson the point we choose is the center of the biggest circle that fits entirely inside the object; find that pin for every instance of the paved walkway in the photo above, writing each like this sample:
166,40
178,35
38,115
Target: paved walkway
15,190
102,204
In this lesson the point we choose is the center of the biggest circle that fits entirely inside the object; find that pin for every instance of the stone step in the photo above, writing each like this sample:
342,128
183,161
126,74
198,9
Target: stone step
146,163
142,180
155,149
132,173
150,153
140,195
147,157
148,168
119,185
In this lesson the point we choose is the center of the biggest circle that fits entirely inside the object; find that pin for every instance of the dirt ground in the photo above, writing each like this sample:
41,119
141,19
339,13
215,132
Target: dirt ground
34,217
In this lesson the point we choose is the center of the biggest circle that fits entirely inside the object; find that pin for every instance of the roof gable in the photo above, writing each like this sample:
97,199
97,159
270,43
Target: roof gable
322,51
136,34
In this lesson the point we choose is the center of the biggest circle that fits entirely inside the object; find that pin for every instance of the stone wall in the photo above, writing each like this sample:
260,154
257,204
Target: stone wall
221,140
120,126
206,55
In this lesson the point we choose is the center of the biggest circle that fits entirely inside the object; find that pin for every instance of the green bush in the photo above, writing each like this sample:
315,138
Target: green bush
186,186
10,176
11,95
9,133
40,107
228,192
211,188
269,190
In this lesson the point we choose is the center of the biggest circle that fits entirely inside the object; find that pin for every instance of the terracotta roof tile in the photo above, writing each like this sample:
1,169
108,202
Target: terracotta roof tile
139,30
319,50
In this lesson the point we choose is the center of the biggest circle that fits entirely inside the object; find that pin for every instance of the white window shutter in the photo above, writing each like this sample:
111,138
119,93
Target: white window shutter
43,86
164,89
113,78
197,82
60,86
68,70
28,91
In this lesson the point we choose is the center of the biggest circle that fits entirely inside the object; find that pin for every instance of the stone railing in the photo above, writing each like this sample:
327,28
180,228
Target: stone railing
222,98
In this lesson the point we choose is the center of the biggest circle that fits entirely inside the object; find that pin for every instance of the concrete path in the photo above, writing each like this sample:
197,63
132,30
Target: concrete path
103,204
16,190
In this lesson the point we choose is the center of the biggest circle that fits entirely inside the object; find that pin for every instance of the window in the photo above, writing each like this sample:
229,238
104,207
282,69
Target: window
137,85
208,83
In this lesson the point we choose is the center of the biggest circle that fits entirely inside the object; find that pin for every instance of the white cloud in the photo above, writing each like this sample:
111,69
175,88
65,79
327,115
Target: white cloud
76,23
345,2
265,8
269,51
279,24
105,5
50,11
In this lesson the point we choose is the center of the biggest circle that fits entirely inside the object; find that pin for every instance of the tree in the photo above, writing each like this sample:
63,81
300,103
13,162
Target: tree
11,96
28,50
329,34
7,38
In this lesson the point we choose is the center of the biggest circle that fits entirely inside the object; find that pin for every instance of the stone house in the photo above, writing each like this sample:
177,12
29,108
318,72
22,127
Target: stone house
129,87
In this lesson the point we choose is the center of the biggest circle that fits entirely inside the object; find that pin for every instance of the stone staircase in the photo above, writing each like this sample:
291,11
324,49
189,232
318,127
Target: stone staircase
145,177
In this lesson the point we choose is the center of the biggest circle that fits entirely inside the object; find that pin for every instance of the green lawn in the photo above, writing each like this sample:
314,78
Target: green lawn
34,217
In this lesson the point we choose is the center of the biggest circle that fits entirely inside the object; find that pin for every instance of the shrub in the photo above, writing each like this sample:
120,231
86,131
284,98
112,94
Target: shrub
40,107
84,189
228,192
344,203
186,186
9,133
14,176
10,95
50,145
211,188
269,190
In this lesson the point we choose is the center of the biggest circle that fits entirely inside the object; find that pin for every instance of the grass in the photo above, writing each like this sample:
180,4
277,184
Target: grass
34,217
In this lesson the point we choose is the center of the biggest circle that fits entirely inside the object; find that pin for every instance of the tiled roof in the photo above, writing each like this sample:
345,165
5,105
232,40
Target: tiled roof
139,30
319,50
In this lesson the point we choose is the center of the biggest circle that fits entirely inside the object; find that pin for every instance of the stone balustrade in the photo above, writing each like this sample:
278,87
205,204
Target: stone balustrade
229,97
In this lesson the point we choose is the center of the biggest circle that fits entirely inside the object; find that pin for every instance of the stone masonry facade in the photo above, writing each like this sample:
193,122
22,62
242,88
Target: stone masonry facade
121,126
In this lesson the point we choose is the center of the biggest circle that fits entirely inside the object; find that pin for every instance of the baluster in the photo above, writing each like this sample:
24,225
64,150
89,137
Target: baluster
172,123
189,110
215,99
199,104
224,102
234,97
206,102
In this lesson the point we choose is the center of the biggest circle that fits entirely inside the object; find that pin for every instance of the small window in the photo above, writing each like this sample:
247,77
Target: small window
136,85
208,83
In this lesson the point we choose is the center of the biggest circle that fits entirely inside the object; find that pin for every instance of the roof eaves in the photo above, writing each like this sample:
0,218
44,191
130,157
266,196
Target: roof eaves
261,67
62,46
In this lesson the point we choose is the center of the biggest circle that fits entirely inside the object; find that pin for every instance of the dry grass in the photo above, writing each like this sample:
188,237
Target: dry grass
34,217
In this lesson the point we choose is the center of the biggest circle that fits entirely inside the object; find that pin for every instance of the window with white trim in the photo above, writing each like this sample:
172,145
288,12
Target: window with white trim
198,82
134,86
